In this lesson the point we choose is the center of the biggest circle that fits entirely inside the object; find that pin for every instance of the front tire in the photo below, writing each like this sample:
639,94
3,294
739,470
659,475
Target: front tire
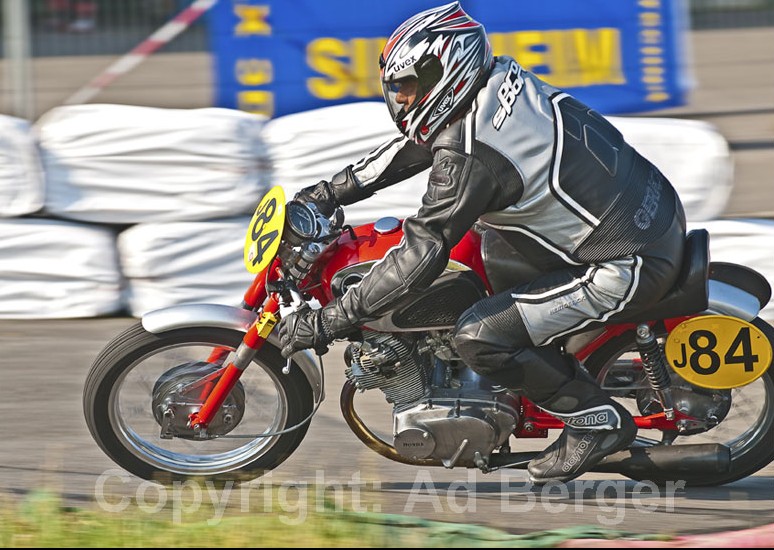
117,403
748,430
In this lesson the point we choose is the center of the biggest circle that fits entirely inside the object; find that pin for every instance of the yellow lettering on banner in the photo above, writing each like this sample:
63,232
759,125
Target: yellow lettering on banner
498,41
252,20
599,56
254,72
364,53
653,79
650,19
350,67
657,97
652,51
651,36
526,48
568,58
260,102
328,56
651,60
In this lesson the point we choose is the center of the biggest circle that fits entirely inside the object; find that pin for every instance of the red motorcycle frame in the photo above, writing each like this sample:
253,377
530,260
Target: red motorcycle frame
364,244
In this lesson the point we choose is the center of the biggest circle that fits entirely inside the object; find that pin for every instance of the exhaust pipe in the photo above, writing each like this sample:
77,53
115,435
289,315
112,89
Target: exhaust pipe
658,461
668,461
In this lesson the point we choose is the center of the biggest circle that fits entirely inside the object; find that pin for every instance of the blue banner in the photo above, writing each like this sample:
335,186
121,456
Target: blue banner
276,57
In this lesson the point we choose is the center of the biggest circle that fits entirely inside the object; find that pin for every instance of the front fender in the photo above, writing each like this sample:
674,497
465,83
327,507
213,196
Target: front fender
229,317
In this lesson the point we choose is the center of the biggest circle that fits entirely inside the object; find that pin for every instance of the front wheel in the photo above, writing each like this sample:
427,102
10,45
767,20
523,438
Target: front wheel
746,426
138,374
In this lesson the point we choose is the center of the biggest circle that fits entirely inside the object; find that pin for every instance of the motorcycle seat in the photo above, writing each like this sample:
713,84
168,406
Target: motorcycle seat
689,294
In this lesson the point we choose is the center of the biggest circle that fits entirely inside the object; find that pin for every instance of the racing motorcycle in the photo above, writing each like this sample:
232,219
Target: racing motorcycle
202,390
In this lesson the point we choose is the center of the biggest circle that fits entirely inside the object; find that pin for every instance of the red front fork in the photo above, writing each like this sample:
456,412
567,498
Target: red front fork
255,295
251,343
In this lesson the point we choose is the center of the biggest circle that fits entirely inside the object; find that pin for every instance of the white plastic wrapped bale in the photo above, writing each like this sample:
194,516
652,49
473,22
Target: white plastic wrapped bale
52,269
692,154
167,264
307,147
126,164
21,174
746,242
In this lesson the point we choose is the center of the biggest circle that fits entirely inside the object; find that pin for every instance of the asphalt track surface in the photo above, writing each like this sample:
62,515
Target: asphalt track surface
43,364
46,445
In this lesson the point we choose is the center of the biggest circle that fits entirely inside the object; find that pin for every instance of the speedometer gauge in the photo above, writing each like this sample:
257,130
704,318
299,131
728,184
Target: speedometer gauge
300,221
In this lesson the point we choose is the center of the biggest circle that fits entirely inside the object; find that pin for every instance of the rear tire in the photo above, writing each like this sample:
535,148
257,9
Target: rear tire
750,452
151,457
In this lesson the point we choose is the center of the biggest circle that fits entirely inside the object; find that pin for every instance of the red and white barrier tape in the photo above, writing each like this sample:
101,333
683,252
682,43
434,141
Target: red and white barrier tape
165,34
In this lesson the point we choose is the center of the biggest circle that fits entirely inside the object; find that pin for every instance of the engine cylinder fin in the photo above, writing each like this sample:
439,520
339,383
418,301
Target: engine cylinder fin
391,364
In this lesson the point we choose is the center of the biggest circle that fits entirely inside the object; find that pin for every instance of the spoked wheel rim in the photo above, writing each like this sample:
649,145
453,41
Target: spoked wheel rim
131,416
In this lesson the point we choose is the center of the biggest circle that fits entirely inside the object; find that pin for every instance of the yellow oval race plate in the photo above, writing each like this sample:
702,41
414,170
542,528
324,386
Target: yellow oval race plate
718,352
265,231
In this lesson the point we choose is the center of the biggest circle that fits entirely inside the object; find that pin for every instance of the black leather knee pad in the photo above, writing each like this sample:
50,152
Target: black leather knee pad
483,347
491,326
508,359
467,340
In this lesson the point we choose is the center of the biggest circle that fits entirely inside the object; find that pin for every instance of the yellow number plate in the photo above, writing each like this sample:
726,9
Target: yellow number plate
265,231
718,352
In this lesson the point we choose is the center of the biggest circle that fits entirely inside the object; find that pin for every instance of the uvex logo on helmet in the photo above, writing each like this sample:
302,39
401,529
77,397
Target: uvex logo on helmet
445,105
400,65
451,59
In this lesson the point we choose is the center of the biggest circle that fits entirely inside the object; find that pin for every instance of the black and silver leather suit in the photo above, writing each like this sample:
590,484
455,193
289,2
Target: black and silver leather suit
601,227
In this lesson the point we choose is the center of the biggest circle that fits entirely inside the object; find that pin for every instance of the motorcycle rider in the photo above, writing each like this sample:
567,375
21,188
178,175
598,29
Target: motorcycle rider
602,227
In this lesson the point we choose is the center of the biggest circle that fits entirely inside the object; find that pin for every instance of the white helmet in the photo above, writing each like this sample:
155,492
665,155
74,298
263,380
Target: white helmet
448,54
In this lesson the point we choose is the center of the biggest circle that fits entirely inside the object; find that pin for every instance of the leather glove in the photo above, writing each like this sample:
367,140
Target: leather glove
320,195
343,189
301,330
314,328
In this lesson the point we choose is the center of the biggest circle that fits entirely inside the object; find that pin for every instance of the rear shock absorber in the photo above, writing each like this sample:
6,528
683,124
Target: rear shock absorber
654,364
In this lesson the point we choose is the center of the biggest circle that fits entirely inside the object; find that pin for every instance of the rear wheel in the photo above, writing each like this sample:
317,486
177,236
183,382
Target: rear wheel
139,374
746,422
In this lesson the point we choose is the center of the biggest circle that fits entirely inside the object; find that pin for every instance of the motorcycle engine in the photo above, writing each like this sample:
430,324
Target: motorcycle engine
387,362
441,409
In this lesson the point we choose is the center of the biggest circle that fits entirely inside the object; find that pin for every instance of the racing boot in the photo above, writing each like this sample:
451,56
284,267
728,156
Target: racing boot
595,426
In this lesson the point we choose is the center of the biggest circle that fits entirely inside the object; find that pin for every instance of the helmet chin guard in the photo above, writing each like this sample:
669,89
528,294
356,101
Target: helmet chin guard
448,54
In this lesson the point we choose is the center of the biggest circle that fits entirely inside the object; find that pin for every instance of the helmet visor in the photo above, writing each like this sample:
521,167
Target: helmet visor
405,89
394,84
